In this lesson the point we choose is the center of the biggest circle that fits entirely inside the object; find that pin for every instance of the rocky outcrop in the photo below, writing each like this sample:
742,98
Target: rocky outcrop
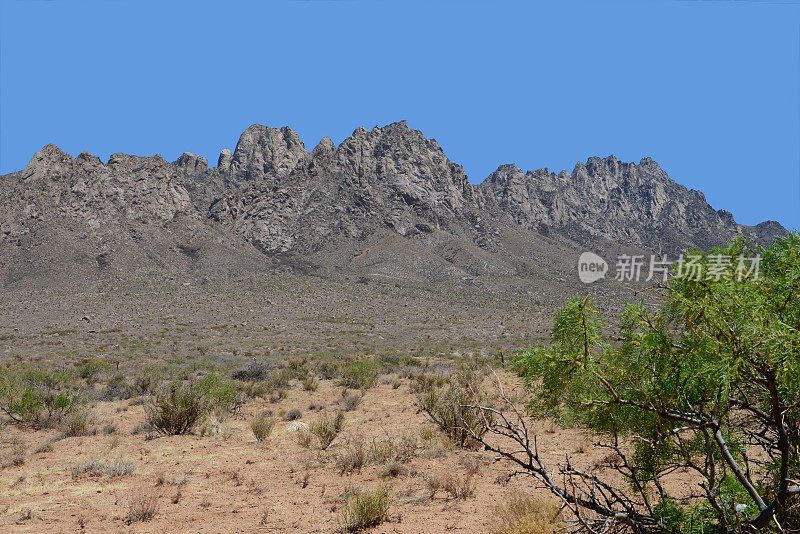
635,204
55,185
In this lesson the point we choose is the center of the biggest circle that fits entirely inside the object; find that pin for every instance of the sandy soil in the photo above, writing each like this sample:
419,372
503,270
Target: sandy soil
229,482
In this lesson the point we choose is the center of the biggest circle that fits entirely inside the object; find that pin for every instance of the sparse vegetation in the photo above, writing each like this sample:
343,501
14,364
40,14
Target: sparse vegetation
293,415
324,429
524,514
77,423
360,374
117,468
13,456
143,506
262,425
452,407
365,508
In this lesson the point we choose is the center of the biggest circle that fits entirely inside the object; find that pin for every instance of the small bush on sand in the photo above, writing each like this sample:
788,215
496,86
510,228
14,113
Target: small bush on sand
365,509
262,425
13,456
175,407
255,371
352,457
118,468
77,423
293,415
350,401
310,383
523,514
326,428
143,506
361,374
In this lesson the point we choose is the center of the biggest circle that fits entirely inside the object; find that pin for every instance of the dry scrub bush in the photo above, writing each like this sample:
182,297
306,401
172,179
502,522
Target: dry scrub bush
77,423
450,406
352,457
523,514
325,429
117,468
143,506
262,425
365,509
14,456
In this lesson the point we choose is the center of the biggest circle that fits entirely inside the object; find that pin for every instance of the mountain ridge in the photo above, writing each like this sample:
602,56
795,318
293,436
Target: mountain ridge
273,197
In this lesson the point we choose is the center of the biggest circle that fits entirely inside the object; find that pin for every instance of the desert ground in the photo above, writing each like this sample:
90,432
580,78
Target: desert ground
283,346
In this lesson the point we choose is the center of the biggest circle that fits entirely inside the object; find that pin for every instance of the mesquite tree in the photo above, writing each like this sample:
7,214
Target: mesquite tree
706,383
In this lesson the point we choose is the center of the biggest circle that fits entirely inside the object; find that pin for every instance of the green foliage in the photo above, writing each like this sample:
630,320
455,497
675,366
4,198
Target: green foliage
91,367
38,396
220,393
692,381
360,374
175,407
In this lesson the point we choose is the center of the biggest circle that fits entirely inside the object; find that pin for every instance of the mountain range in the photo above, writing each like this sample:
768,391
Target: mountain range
385,204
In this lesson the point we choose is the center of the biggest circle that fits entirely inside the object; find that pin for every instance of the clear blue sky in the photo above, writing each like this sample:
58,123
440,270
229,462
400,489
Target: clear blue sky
709,89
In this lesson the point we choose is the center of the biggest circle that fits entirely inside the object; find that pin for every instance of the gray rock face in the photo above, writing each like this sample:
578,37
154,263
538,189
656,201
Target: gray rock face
390,181
147,190
624,202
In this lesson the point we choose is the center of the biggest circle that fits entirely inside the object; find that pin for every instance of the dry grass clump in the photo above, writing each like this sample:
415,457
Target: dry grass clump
458,487
352,457
392,469
365,508
118,468
324,430
13,456
450,406
262,425
77,423
310,383
143,506
523,514
293,415
349,401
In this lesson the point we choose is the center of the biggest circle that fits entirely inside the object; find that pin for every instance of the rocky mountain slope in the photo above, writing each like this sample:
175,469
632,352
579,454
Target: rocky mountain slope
385,202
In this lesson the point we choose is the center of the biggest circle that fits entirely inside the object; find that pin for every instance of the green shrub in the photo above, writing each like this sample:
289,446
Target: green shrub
361,374
220,393
36,396
175,407
91,367
365,509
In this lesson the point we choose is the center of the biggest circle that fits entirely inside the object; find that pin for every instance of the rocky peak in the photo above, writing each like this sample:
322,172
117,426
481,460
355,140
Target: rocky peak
192,162
263,151
224,160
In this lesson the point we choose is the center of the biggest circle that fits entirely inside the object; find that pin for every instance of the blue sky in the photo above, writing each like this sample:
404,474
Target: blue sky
709,89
